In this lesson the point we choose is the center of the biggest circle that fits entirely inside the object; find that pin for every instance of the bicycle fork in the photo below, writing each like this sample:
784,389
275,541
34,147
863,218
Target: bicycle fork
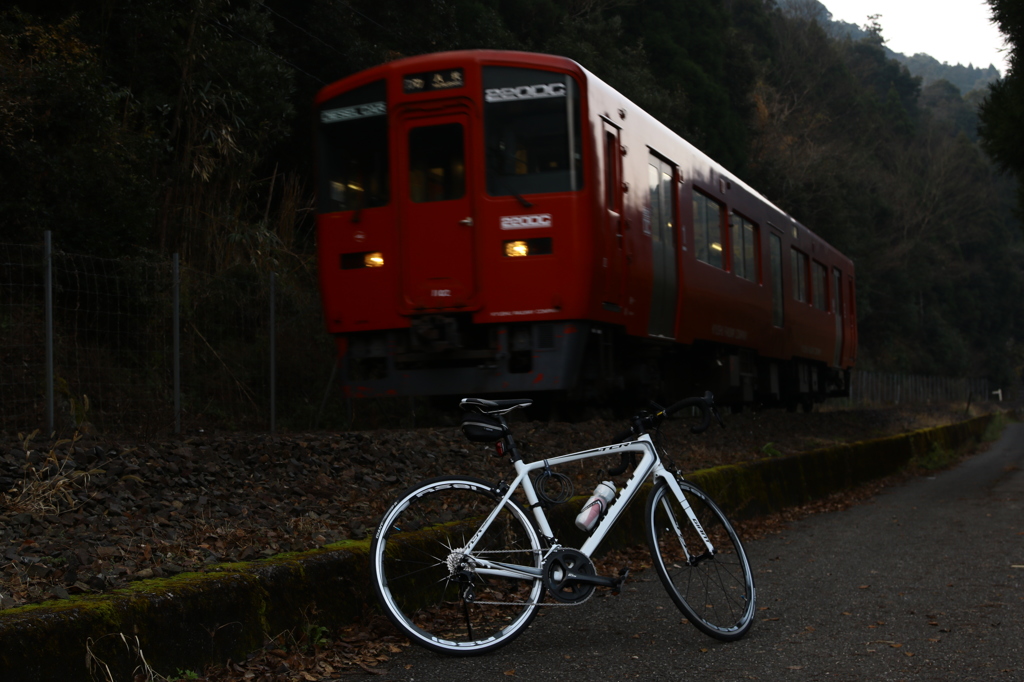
685,504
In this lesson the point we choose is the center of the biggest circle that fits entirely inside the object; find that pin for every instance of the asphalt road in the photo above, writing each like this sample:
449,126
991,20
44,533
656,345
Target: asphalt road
923,582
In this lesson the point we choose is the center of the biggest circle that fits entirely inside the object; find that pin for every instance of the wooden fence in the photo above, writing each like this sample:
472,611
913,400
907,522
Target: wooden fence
882,388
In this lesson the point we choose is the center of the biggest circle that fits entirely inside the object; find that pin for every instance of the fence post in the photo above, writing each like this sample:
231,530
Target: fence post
176,335
48,289
273,356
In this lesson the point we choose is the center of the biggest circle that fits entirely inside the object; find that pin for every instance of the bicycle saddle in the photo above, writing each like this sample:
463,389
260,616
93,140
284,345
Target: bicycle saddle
484,406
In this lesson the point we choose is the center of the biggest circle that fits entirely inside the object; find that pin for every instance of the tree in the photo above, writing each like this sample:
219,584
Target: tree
70,160
1002,112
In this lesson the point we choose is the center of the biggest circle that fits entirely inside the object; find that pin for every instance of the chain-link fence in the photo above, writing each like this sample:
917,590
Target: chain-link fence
118,366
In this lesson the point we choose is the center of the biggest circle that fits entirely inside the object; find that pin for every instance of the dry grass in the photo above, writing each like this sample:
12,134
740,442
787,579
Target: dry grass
49,486
99,669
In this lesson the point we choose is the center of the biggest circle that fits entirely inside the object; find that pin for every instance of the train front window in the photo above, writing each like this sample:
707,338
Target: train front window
437,170
353,150
532,129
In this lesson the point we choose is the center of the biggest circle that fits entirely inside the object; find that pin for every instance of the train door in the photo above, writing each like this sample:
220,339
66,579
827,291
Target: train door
775,260
612,224
837,308
664,268
435,201
850,337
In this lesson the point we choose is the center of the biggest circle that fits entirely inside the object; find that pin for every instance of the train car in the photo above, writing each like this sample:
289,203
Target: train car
495,222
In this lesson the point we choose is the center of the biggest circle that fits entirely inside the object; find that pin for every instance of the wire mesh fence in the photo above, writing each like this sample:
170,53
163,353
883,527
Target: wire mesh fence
140,345
22,336
116,356
112,342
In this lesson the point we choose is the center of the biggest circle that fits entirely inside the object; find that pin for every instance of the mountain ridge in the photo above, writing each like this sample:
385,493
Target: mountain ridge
928,68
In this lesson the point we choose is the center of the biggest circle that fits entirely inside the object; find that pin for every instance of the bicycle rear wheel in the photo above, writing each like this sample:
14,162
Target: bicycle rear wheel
714,591
430,587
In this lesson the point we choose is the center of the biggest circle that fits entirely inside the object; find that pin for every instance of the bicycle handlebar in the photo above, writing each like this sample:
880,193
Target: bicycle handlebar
644,422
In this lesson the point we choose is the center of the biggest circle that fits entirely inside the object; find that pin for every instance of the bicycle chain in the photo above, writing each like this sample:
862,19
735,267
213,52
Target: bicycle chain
524,603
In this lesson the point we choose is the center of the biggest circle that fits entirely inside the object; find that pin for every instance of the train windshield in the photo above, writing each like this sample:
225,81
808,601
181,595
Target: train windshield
532,127
353,150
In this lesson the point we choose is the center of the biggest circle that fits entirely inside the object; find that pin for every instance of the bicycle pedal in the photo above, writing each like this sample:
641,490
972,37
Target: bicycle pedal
623,574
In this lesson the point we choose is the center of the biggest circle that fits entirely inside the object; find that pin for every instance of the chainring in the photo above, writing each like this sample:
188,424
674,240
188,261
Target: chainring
559,566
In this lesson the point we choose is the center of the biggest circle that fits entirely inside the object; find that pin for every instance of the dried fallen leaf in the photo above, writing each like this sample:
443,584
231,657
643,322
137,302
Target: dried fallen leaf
511,673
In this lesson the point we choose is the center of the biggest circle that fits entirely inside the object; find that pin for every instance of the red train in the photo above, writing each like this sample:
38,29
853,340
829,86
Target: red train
504,222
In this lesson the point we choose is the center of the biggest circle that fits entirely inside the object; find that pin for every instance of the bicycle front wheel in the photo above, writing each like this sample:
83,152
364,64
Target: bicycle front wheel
439,593
714,589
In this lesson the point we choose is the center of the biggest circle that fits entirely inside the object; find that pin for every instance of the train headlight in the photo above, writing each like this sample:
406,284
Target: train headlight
517,248
374,259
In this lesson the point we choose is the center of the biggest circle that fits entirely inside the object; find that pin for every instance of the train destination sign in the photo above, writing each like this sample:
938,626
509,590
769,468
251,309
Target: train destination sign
433,80
538,91
357,111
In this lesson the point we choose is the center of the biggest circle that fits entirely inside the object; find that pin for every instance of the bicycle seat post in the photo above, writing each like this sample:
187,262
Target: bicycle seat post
507,446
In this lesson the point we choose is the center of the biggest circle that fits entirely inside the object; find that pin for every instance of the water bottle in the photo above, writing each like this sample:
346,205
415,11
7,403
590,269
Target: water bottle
603,495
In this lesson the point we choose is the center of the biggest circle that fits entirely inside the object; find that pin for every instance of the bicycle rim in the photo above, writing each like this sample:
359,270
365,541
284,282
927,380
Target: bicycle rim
423,580
715,592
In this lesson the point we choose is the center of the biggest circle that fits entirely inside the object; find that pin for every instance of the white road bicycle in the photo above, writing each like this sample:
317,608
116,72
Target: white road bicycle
460,566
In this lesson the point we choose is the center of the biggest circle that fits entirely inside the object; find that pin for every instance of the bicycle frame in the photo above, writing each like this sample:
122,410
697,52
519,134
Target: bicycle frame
650,464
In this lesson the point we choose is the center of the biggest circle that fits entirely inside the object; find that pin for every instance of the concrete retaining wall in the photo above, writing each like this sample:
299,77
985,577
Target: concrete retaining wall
191,620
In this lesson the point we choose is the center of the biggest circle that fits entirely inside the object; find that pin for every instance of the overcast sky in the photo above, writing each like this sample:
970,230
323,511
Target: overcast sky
952,31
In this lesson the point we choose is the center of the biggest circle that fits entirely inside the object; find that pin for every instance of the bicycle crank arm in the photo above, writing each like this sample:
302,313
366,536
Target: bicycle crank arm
599,580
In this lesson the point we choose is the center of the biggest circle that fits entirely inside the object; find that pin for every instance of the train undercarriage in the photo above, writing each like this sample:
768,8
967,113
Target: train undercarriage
573,363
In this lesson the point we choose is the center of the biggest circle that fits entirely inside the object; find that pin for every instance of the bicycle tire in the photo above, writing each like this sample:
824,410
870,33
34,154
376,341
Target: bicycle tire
715,593
412,557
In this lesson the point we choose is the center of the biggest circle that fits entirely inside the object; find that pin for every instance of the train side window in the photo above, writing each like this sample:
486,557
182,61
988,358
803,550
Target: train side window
776,276
707,229
437,169
745,249
611,168
818,286
800,275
